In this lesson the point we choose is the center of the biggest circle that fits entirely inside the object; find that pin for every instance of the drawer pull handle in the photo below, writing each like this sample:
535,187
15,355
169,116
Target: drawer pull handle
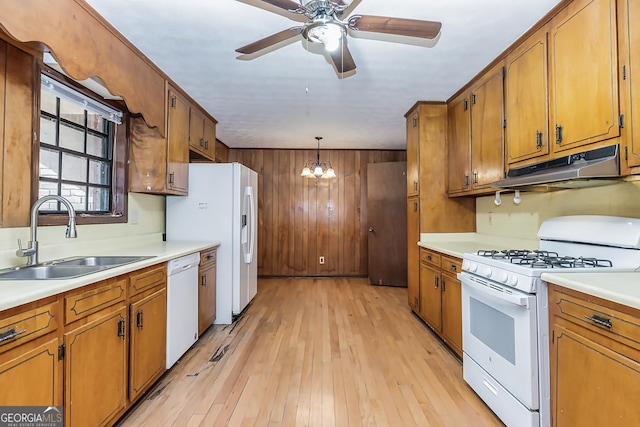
602,321
10,334
428,257
453,267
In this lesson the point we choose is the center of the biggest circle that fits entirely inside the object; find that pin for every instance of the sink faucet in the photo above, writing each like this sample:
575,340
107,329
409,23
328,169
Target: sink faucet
32,251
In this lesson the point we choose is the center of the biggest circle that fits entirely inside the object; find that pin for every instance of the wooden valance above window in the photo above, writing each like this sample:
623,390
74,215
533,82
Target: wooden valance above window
85,45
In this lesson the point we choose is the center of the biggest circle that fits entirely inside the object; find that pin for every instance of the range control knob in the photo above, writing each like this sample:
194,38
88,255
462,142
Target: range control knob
512,280
502,277
485,271
470,267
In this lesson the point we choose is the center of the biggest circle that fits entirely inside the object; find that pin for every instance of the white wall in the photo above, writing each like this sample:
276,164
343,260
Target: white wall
523,220
146,217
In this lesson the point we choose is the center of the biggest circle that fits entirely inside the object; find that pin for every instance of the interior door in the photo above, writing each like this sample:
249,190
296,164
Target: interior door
387,223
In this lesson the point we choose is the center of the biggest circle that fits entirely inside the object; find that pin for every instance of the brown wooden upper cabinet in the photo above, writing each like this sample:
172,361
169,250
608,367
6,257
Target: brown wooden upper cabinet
584,105
476,121
177,143
160,165
629,42
413,156
202,134
526,107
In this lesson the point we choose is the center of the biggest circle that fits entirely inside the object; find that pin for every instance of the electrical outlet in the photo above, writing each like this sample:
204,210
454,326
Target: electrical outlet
321,260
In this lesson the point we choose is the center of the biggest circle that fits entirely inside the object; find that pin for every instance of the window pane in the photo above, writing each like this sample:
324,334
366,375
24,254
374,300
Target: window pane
48,102
71,111
98,199
74,168
99,172
71,138
97,145
49,164
96,122
47,130
46,189
76,194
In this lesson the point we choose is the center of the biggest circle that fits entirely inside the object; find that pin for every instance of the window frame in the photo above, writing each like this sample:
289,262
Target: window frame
119,193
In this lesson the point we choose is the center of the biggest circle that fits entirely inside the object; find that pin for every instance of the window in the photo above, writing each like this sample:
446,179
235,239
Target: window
80,154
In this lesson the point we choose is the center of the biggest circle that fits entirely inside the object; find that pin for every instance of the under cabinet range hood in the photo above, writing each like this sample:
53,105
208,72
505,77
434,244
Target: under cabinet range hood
586,169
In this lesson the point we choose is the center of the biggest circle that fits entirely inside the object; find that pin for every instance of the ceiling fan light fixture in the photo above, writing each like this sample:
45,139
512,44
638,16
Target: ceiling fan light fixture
327,33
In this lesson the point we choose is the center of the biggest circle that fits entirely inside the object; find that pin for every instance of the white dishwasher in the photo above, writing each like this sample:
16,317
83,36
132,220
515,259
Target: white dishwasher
182,306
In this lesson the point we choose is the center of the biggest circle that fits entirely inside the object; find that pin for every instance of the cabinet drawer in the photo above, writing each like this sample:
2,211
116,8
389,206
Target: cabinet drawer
430,257
147,278
105,294
451,265
208,258
607,321
28,325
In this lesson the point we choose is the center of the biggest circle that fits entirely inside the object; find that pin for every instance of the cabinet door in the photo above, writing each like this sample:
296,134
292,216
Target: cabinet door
178,144
630,45
526,101
459,145
147,341
210,138
413,154
452,313
96,369
486,130
430,303
584,77
196,130
413,237
37,370
591,384
206,299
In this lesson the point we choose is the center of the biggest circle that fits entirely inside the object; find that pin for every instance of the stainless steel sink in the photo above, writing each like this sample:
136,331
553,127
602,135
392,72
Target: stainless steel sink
67,268
106,261
42,272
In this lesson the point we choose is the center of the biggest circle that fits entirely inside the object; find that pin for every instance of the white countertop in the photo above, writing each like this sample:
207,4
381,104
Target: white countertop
623,288
457,244
16,292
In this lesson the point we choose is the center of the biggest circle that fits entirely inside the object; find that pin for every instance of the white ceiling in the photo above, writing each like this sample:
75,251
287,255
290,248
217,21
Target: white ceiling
287,97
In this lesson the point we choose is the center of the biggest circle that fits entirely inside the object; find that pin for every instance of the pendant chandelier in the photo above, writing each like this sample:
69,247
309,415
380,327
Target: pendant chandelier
318,169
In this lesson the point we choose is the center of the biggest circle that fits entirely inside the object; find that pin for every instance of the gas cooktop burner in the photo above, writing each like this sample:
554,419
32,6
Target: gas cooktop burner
544,259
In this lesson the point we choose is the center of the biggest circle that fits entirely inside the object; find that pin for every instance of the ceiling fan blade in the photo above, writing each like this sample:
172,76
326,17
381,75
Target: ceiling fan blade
287,8
397,28
270,43
342,60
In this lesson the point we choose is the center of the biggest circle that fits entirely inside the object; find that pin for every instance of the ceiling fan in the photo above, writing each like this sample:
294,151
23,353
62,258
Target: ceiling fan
326,24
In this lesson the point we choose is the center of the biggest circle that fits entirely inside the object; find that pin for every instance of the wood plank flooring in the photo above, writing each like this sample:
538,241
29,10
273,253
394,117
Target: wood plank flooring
316,352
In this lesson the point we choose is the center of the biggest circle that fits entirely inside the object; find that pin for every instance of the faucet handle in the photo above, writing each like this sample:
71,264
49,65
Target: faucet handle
24,252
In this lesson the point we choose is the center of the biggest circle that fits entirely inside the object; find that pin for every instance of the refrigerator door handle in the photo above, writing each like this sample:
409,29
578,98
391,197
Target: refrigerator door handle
248,254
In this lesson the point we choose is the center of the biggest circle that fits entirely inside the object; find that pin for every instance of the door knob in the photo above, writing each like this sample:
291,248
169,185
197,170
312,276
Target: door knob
370,229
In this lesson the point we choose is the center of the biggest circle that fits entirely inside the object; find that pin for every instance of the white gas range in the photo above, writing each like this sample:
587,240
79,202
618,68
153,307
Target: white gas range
505,308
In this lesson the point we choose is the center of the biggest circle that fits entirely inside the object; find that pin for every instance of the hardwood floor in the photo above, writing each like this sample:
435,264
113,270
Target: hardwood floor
311,352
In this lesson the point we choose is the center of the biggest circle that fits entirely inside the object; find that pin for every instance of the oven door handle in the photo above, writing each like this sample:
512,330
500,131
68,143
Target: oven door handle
491,290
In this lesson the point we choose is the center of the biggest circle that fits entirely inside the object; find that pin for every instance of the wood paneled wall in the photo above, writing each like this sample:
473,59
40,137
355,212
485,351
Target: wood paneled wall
302,219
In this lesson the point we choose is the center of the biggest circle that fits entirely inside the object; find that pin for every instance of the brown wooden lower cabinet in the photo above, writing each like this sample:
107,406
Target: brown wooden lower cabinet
440,296
595,361
96,369
207,290
147,340
31,375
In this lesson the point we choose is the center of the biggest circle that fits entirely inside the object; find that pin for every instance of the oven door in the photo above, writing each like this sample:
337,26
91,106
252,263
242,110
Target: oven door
499,334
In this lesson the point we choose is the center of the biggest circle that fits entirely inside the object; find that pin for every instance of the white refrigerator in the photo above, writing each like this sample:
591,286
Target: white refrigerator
221,206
